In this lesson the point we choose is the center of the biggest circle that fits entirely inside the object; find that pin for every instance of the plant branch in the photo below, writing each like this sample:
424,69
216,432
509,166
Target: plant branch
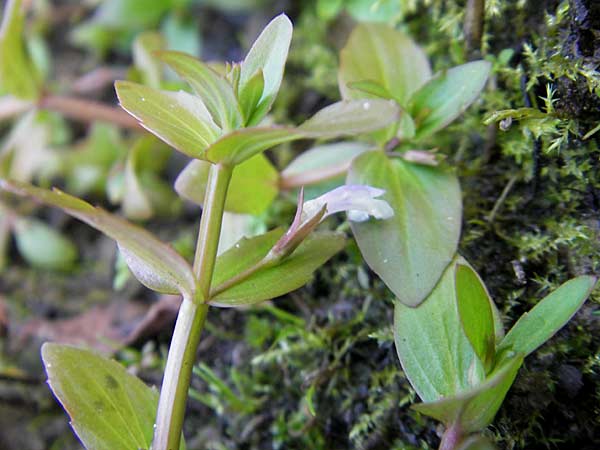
191,317
452,437
88,111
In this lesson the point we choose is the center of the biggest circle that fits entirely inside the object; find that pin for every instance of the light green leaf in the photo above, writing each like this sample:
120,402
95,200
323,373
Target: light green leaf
215,91
178,118
144,47
548,316
434,351
475,409
377,53
268,53
475,313
271,281
446,96
477,442
252,188
43,246
250,95
410,250
136,204
154,263
18,75
322,163
339,119
109,408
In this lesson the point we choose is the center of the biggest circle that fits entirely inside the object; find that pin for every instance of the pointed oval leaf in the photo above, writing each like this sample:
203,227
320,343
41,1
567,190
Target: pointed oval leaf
250,95
548,316
178,118
477,442
153,262
410,250
43,246
447,96
475,408
144,57
109,408
377,53
269,282
321,163
268,53
434,351
215,90
252,188
347,118
18,75
475,312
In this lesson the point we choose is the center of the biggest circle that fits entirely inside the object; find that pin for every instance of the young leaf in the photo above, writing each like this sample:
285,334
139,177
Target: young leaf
252,188
548,316
154,263
178,118
273,280
321,163
136,204
377,53
44,247
475,313
339,119
144,58
434,351
410,250
475,408
251,94
268,53
18,76
109,408
446,96
215,91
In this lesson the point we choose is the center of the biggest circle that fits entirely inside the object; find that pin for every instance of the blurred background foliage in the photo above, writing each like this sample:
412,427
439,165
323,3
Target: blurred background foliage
316,369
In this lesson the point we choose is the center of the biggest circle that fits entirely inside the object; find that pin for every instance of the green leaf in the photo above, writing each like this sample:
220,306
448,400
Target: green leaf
154,263
477,442
136,204
410,250
322,162
178,118
252,188
250,95
144,58
44,247
446,96
268,53
109,408
434,351
548,316
339,119
18,75
215,91
377,53
271,281
475,313
475,409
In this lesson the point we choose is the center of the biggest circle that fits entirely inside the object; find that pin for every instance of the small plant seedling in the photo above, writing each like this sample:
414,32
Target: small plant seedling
219,123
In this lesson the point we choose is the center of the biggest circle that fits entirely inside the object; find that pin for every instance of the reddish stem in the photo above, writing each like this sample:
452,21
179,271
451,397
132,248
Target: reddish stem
451,438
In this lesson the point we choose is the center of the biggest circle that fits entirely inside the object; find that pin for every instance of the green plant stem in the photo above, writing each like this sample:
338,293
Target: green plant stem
191,317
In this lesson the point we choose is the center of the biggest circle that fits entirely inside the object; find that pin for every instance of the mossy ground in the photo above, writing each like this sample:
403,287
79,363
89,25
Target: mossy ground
318,368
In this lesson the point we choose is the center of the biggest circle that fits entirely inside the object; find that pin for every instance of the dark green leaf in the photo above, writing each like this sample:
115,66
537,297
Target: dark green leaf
272,281
178,118
446,96
154,263
410,250
434,351
44,247
475,409
268,53
377,53
548,316
215,91
475,313
252,188
109,408
18,76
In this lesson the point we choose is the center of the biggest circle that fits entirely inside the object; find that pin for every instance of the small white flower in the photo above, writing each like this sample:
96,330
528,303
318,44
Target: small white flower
358,200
